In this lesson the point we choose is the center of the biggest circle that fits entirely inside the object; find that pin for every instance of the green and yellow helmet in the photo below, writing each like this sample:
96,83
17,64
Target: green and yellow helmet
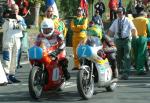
95,30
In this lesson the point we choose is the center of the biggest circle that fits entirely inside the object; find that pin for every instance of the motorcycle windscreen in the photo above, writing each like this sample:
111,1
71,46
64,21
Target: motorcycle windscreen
86,48
35,53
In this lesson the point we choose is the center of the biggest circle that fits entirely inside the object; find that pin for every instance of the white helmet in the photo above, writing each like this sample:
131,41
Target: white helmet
47,27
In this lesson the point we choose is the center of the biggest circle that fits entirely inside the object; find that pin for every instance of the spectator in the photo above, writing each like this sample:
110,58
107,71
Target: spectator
97,19
145,2
122,28
139,7
23,11
100,7
120,3
50,13
113,5
58,23
23,7
130,9
10,3
12,31
1,15
140,44
78,25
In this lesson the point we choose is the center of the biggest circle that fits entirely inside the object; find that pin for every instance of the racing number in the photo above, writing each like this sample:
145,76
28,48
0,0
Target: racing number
84,50
34,52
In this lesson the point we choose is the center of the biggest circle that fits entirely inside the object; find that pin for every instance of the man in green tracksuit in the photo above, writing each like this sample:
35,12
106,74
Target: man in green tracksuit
78,25
140,44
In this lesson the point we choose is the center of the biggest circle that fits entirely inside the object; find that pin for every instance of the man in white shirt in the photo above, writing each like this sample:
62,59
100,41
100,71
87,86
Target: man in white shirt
12,32
123,29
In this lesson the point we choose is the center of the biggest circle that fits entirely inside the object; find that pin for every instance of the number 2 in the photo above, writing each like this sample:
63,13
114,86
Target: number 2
84,50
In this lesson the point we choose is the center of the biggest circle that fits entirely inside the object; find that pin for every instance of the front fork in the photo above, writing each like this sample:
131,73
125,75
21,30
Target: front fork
42,73
90,71
43,76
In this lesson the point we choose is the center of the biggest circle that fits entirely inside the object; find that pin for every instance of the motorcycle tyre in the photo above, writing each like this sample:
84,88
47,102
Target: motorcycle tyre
32,91
80,86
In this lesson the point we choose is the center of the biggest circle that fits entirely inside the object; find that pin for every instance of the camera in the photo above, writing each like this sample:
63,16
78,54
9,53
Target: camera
9,14
12,16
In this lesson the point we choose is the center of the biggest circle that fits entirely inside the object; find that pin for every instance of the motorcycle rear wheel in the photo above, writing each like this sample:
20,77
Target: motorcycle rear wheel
35,85
85,88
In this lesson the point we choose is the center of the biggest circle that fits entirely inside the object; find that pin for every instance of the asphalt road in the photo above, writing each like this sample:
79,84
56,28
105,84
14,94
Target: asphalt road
134,90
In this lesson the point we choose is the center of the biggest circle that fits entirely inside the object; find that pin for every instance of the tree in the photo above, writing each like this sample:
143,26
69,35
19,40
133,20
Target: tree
35,5
68,7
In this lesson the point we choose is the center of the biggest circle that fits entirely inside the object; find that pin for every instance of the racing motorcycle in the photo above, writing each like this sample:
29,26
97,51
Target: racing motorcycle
95,69
46,73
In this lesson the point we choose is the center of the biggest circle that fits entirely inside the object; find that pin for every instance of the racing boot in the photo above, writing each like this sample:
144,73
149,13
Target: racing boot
64,64
113,64
115,73
66,73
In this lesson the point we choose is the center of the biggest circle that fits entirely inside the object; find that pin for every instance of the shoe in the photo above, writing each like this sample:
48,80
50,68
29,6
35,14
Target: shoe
67,76
13,79
124,77
19,66
3,84
9,81
115,75
75,68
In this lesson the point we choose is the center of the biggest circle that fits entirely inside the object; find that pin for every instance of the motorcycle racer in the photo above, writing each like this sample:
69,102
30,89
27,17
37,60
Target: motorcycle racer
54,37
109,48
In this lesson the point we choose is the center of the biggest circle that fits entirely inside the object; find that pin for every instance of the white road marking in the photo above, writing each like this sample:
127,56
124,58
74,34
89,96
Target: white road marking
148,84
68,84
139,84
73,84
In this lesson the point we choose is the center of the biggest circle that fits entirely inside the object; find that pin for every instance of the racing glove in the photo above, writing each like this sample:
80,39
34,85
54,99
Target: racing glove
101,53
55,53
112,49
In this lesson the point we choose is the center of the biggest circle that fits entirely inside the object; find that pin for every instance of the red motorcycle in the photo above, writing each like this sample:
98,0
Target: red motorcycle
46,73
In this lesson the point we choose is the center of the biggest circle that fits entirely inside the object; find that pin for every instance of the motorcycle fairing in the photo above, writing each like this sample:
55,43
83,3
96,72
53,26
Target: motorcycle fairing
105,73
86,51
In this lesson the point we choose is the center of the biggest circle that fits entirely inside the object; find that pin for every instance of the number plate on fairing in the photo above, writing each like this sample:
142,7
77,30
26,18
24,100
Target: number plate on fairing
84,51
36,53
104,72
55,74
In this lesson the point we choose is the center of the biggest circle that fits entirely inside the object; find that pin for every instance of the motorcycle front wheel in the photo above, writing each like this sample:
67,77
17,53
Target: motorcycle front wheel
84,87
35,82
